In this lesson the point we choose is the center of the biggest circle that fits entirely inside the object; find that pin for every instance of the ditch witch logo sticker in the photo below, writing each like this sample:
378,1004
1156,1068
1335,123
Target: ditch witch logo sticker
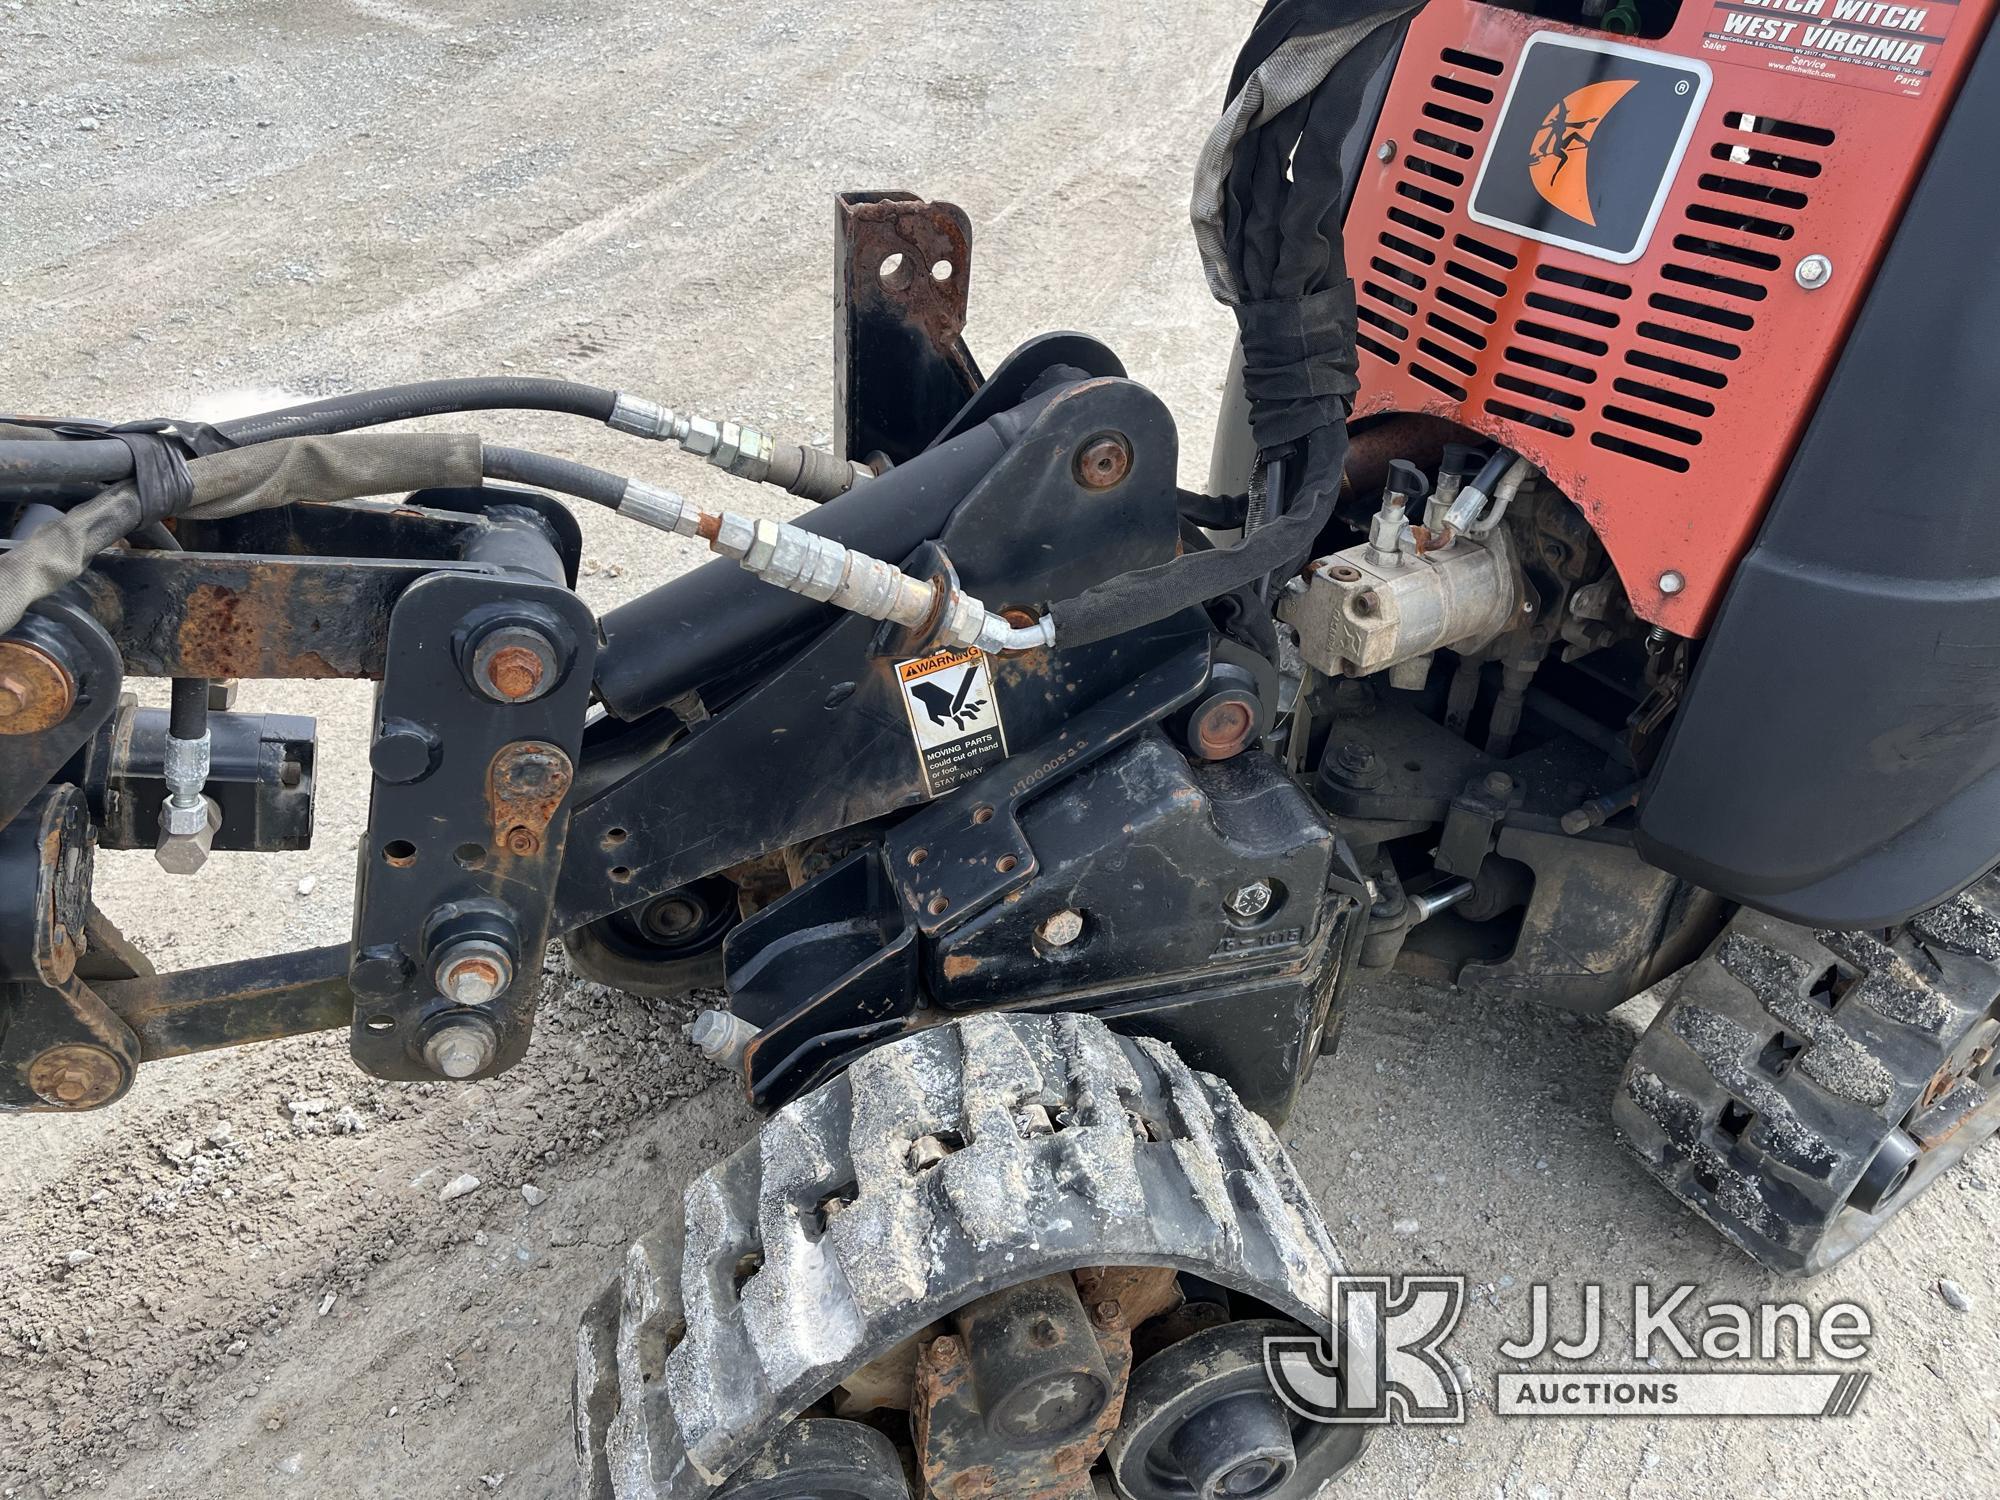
1564,142
953,715
1588,143
1390,1361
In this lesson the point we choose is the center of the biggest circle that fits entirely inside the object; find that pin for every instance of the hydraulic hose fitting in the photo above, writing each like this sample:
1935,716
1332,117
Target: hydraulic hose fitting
739,449
818,567
189,819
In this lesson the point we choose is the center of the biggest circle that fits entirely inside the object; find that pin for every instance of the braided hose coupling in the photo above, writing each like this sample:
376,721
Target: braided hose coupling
820,568
739,449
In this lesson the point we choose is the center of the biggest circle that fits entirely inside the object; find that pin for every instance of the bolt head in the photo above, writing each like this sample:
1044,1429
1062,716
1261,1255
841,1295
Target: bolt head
711,1031
36,691
464,1047
1814,272
1103,461
1062,929
1386,151
514,672
474,972
515,664
1498,783
1672,582
1252,900
76,1075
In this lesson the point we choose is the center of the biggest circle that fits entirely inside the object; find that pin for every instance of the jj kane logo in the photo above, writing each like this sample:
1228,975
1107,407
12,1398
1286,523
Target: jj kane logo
1387,1360
1587,144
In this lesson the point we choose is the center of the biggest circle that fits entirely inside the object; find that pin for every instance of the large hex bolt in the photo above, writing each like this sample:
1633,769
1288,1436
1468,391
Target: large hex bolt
76,1075
515,664
473,971
1062,929
463,1046
36,690
1252,900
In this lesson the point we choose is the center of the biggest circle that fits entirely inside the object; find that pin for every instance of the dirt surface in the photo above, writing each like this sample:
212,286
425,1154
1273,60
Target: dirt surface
245,1279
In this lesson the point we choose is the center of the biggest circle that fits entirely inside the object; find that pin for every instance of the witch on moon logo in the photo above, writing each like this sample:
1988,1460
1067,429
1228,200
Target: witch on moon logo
1564,145
1588,142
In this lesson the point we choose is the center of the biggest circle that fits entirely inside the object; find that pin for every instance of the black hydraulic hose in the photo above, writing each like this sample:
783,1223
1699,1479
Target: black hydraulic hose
542,472
106,460
423,398
187,715
1491,471
39,462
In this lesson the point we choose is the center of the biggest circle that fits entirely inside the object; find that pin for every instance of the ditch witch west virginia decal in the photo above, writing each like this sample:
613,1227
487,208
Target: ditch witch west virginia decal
1587,145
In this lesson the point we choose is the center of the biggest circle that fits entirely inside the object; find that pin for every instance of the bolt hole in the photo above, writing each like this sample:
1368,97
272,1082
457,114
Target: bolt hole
469,856
400,852
918,856
380,1023
1413,765
938,906
621,873
616,836
982,815
940,270
1006,864
896,271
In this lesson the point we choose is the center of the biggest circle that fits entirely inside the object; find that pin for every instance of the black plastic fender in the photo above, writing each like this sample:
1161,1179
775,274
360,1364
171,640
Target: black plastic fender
1837,762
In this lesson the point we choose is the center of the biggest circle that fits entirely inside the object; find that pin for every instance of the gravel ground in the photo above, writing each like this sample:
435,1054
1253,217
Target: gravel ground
244,1279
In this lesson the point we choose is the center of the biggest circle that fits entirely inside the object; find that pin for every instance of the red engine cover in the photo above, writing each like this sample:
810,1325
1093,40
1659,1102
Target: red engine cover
1663,394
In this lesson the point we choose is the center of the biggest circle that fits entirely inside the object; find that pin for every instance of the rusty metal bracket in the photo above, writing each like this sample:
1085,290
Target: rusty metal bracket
228,1005
902,270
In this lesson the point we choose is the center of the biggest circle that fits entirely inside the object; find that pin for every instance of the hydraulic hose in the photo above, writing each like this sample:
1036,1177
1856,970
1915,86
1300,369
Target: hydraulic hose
106,460
542,472
423,398
743,451
779,553
231,483
352,466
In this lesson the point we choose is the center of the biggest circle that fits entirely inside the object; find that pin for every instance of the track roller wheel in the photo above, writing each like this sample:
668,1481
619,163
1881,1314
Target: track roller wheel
958,1243
667,948
1201,1422
822,1458
1802,1088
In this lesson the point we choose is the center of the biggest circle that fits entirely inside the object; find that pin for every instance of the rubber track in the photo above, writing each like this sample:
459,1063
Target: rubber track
710,1342
1765,1086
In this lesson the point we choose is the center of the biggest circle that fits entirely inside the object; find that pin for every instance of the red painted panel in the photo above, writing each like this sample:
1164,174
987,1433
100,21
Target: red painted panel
1664,396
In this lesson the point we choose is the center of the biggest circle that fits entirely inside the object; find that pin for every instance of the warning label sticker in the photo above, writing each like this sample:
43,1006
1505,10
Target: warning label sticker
1893,48
953,714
